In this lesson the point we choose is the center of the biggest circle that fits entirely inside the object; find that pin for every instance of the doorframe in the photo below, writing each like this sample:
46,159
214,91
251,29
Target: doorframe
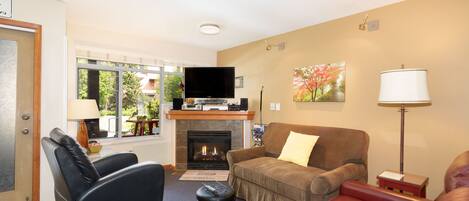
37,29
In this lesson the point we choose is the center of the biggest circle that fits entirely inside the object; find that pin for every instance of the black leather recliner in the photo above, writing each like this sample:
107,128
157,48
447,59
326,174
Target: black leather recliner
114,178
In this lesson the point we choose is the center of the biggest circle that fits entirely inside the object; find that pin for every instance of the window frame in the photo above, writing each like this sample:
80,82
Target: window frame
120,69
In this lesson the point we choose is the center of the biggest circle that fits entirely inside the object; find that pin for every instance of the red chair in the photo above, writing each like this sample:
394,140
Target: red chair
355,191
456,186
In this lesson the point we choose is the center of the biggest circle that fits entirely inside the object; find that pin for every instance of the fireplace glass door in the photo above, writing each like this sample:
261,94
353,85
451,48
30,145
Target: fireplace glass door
207,149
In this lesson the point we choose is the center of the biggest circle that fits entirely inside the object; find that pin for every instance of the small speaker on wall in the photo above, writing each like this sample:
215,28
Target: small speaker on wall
243,105
177,103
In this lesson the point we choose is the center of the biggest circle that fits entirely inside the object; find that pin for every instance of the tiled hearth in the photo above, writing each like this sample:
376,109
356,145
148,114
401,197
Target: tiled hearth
182,126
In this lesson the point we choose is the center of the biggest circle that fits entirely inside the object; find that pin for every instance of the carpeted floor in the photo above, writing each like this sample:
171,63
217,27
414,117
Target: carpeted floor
175,190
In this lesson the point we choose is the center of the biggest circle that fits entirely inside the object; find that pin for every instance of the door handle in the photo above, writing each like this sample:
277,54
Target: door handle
25,131
26,116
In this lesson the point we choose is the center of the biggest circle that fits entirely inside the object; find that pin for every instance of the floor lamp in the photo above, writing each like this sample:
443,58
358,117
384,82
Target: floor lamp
402,88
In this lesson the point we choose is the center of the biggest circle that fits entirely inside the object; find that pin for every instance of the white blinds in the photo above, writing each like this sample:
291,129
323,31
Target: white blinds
128,58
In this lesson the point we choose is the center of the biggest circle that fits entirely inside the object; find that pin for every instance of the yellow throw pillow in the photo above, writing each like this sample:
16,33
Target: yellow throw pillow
298,148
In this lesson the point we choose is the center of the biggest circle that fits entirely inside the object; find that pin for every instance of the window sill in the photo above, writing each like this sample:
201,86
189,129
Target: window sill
130,140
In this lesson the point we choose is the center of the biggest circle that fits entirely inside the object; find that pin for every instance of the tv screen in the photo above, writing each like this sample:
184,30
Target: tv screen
209,82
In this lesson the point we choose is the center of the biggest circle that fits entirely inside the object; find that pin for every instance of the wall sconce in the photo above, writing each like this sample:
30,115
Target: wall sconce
363,26
369,26
280,46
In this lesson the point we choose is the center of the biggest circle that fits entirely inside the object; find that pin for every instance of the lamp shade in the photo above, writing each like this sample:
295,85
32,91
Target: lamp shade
83,109
404,86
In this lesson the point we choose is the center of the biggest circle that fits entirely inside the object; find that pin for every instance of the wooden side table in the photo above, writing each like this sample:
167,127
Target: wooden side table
139,129
410,184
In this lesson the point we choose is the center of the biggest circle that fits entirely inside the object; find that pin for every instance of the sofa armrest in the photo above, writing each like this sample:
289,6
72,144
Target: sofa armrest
236,156
365,192
330,181
112,163
140,182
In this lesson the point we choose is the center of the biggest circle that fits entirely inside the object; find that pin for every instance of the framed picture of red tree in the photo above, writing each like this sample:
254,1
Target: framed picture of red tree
319,83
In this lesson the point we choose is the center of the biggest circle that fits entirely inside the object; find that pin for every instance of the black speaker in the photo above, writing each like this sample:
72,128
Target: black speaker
177,103
243,105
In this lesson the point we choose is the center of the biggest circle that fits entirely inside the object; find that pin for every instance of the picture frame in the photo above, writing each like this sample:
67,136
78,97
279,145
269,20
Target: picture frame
239,82
6,7
319,83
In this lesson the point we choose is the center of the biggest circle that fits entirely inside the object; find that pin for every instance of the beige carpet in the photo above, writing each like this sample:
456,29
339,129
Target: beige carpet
205,175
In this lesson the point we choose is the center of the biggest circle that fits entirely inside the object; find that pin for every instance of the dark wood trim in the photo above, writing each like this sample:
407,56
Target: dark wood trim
21,24
37,114
210,115
36,100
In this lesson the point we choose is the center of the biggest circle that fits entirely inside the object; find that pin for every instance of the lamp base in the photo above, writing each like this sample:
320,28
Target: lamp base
82,134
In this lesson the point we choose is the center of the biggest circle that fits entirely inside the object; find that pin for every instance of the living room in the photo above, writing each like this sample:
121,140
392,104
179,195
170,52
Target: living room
135,58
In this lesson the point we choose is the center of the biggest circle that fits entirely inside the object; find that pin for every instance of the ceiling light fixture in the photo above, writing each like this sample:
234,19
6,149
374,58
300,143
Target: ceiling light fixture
209,29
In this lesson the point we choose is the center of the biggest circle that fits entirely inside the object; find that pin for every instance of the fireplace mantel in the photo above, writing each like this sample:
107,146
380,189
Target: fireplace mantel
210,115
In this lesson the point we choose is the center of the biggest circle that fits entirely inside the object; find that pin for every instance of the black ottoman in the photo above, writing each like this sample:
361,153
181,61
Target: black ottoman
222,193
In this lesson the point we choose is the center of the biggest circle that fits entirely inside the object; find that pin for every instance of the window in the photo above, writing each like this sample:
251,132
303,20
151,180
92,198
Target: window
173,87
128,96
100,85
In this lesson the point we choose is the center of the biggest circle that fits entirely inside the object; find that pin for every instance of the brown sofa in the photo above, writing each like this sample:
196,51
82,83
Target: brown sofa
340,154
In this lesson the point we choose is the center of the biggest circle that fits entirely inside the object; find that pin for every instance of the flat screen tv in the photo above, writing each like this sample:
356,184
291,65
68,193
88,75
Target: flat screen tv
209,82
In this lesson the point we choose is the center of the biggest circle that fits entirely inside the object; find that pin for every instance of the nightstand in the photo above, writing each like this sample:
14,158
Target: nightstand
410,184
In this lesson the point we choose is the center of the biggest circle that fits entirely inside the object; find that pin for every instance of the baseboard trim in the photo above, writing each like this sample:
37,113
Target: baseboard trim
168,167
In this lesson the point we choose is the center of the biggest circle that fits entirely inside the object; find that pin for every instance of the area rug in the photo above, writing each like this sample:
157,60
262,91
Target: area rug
205,175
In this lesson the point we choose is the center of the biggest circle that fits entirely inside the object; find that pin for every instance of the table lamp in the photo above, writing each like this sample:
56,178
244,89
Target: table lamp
80,110
401,88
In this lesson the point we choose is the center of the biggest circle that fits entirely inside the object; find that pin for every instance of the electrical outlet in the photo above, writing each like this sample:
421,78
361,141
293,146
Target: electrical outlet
277,106
272,106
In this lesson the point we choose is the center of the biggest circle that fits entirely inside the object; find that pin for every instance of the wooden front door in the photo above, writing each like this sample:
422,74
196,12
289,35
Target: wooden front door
19,110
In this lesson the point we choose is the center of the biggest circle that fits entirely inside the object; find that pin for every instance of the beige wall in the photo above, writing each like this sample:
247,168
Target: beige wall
431,34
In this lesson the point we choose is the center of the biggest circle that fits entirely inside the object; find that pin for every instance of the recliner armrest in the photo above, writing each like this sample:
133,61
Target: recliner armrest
330,181
112,163
140,182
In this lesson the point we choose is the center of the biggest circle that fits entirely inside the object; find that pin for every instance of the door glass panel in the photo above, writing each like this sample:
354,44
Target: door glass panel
8,77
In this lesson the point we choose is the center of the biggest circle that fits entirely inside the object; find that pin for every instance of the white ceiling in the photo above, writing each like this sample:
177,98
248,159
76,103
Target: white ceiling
242,21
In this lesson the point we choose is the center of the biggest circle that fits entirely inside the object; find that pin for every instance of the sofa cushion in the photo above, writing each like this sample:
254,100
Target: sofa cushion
298,148
285,178
335,146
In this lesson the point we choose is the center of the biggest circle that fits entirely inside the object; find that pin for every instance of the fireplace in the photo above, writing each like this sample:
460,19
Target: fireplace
207,149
